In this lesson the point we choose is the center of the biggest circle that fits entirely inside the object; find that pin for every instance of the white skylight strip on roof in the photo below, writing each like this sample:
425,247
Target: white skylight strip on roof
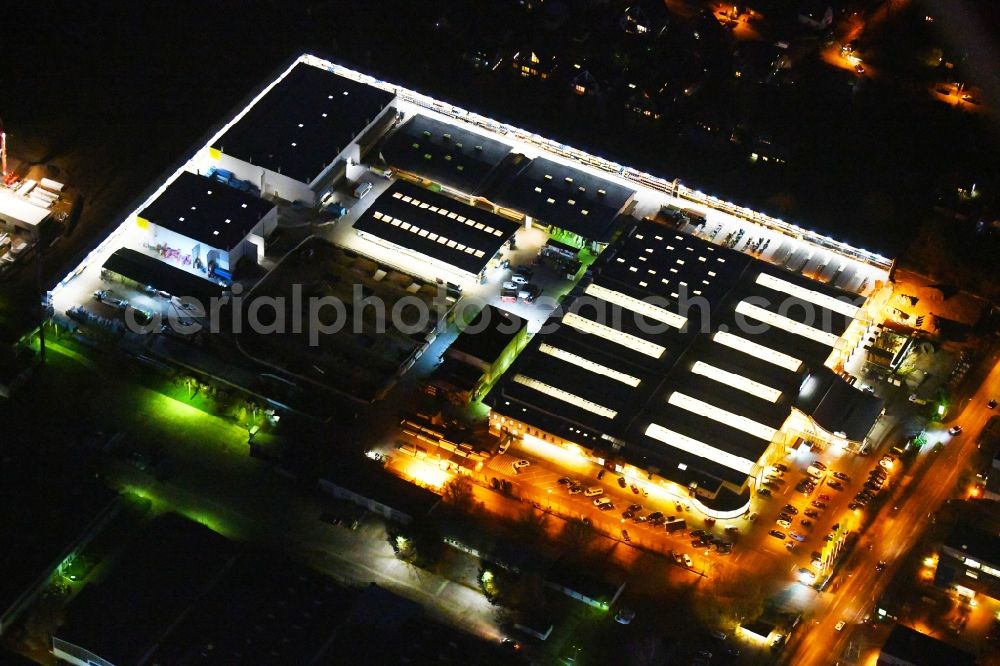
809,295
635,305
722,416
700,449
736,381
786,324
566,396
612,335
757,351
587,364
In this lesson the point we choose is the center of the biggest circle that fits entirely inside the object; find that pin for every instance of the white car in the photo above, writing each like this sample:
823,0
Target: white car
784,523
840,625
955,430
687,560
521,463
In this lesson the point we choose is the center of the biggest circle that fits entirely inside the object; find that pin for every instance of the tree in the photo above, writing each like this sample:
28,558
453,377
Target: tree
576,535
459,493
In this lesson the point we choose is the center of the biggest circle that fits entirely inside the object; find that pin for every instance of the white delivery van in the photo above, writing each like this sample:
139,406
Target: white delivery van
593,491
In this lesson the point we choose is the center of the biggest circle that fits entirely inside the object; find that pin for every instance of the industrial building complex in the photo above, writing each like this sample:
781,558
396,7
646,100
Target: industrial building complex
749,347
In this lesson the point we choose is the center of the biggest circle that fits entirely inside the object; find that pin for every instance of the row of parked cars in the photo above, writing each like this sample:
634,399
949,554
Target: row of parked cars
519,286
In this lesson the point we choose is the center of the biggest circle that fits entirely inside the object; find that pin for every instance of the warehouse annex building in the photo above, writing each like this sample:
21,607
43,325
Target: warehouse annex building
685,363
574,206
294,137
458,239
430,151
205,225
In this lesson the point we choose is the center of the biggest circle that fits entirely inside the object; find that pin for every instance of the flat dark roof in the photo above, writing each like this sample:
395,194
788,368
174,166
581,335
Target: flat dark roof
206,211
264,609
488,334
303,122
436,226
922,650
368,478
444,153
838,406
979,544
166,570
584,382
152,272
561,196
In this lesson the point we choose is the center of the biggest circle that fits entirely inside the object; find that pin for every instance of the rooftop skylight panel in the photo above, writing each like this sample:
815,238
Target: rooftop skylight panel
808,295
635,305
587,364
397,195
786,323
640,345
722,416
566,396
757,351
736,381
698,448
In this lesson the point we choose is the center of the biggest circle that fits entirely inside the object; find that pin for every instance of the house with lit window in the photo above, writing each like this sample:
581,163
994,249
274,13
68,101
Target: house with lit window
535,61
687,366
645,18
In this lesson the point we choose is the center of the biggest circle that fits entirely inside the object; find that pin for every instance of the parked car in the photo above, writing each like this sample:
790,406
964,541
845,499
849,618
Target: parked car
764,492
687,560
565,481
626,514
842,476
677,556
797,536
854,506
780,467
784,523
640,519
805,522
521,463
840,625
880,567
622,482
812,513
777,534
575,489
111,298
992,404
635,507
835,485
625,536
788,508
624,616
656,515
818,504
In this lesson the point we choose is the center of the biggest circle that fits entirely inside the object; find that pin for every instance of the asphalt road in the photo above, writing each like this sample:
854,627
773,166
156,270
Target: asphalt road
892,536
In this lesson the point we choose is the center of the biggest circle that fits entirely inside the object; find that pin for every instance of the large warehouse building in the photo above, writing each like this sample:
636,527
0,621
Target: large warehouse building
206,225
688,363
293,138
